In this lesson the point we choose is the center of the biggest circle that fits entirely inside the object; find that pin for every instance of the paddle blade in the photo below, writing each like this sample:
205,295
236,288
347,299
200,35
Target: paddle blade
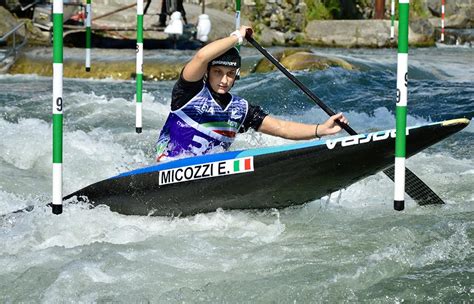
416,188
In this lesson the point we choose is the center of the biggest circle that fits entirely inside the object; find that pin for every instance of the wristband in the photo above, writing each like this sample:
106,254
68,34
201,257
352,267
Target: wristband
238,35
316,131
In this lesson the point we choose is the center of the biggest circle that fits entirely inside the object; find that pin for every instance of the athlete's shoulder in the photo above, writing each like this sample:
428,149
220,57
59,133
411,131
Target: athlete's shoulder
184,91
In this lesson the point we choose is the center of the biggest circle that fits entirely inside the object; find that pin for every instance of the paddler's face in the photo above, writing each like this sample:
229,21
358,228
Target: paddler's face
221,78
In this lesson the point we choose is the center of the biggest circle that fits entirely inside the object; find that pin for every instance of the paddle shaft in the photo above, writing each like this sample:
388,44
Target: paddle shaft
114,11
415,187
310,94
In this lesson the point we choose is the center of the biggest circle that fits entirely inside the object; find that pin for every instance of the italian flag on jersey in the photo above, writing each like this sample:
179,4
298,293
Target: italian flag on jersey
222,128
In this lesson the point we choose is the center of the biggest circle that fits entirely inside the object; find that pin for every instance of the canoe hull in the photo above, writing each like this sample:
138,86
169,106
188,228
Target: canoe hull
280,176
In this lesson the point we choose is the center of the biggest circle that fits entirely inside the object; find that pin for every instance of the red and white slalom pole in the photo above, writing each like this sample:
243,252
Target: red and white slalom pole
443,2
392,20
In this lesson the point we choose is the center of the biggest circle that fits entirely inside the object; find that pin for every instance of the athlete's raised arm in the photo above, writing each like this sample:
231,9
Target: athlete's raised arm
298,131
197,67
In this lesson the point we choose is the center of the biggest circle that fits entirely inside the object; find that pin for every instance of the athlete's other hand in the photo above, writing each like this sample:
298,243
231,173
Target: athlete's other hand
243,30
330,126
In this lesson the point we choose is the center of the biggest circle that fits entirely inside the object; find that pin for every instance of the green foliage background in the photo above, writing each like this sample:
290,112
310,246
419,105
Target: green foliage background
322,9
330,9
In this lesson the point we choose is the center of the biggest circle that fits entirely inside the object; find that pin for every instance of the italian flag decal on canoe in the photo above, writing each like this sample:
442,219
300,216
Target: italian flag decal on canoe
243,165
206,170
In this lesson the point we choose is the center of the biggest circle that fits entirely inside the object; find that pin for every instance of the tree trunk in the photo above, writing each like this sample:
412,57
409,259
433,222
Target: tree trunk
379,9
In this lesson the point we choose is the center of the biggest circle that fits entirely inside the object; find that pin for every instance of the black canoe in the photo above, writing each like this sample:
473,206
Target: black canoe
271,177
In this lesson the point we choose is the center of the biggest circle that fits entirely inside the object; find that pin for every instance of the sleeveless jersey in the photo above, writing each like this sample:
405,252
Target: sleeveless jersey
201,126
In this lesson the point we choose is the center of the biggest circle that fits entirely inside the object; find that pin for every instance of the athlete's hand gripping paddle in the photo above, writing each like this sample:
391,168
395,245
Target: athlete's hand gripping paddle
414,187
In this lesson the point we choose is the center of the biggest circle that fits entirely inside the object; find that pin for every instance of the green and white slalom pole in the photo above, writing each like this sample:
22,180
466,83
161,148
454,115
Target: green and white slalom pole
392,20
139,68
57,204
237,16
237,27
88,35
401,110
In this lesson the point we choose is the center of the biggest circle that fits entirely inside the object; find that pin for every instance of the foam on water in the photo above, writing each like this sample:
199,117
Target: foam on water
80,225
423,63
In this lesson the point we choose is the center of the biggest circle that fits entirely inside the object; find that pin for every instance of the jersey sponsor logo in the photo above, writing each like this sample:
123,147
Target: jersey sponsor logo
233,124
361,138
207,170
205,108
234,114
